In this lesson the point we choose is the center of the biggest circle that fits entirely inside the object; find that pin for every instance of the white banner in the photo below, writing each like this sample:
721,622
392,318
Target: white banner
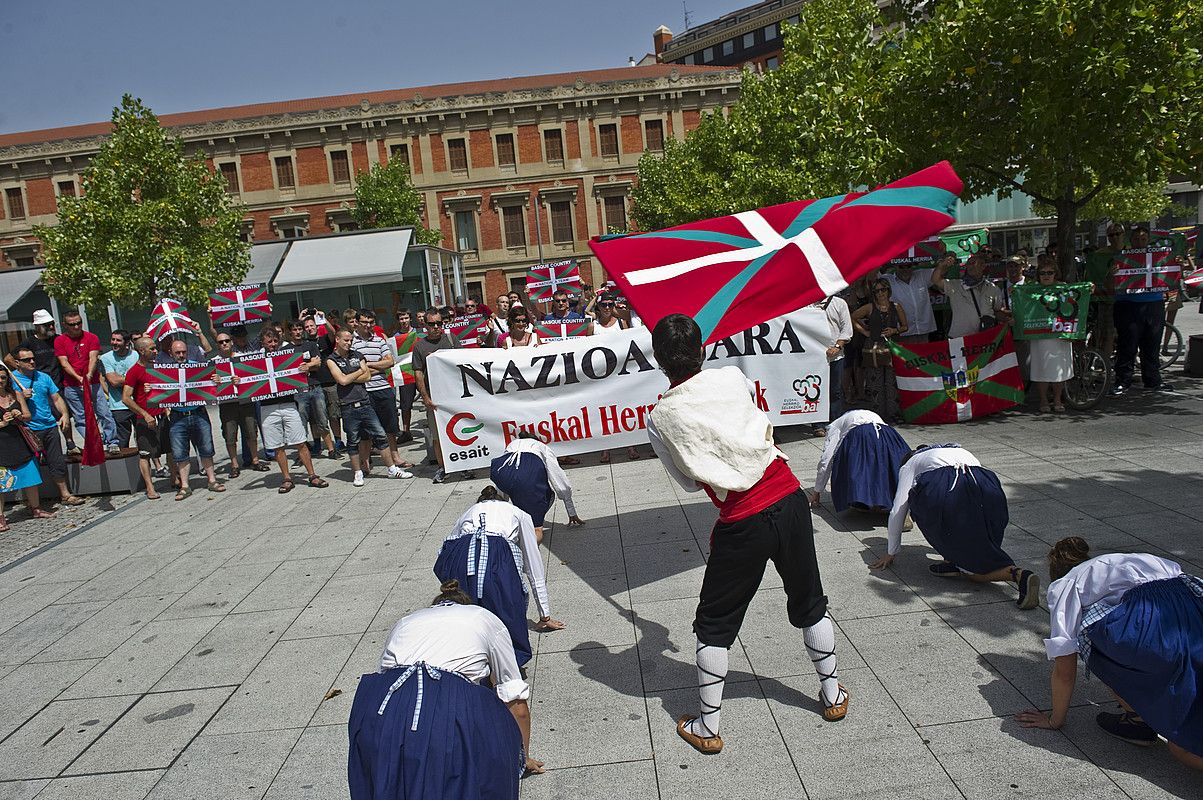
593,393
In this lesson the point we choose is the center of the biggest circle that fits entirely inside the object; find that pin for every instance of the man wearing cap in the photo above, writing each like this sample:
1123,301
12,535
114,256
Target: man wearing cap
41,344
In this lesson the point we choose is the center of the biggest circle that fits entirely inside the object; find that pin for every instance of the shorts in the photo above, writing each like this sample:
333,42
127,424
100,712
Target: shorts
235,417
312,405
384,403
333,409
282,426
406,394
56,463
360,422
152,442
190,427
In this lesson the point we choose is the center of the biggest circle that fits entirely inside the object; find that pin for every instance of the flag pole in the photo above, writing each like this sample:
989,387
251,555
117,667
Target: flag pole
539,231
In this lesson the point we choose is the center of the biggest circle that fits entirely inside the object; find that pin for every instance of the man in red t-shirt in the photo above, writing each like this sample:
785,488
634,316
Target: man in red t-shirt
78,352
709,434
150,423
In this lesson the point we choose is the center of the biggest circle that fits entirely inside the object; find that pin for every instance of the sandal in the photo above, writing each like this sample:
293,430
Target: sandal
235,472
317,482
216,488
259,466
1060,409
1045,409
155,496
286,487
73,501
183,494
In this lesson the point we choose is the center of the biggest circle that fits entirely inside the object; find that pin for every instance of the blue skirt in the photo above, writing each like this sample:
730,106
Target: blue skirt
962,513
501,589
525,482
865,468
22,477
463,743
1149,651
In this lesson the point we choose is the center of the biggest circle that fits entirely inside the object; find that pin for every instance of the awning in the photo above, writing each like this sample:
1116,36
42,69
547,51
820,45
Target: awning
14,285
343,260
265,258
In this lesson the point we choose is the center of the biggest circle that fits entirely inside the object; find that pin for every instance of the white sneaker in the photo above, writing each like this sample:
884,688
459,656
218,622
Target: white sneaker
358,480
398,472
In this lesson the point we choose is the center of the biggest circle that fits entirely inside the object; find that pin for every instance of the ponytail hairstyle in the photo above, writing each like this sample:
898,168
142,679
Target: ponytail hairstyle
488,493
450,591
1067,554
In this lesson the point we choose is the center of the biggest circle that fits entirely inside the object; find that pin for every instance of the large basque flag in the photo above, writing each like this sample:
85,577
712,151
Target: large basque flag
1149,269
275,374
238,305
466,330
554,330
733,273
168,317
176,385
544,280
958,379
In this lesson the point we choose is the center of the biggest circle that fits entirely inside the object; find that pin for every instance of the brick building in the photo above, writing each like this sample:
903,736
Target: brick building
749,36
490,159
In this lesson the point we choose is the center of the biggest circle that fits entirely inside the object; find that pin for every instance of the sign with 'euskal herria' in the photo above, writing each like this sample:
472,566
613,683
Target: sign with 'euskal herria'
592,393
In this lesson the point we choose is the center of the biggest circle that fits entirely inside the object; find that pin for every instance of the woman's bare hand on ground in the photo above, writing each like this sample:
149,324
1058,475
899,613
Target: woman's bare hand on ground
574,520
533,766
882,562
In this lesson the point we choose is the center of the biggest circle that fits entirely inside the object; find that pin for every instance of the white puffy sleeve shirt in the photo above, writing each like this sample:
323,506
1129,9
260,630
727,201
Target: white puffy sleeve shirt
469,640
924,461
1105,577
835,433
506,519
557,479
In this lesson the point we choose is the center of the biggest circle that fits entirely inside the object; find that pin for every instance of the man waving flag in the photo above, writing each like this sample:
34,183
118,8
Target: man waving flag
731,273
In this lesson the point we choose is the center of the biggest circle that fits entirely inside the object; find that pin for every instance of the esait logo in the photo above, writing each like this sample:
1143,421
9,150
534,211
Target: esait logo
461,429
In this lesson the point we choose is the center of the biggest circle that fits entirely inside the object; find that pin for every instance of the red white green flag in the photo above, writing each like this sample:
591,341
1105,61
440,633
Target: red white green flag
544,280
178,385
958,379
920,254
1149,269
238,305
168,317
466,330
275,374
555,329
733,273
403,357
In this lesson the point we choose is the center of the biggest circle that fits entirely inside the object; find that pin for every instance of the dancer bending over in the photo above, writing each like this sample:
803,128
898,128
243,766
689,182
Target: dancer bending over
862,456
528,472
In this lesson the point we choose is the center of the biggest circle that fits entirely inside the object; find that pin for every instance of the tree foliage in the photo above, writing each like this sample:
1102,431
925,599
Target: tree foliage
1060,99
149,223
1085,105
385,198
813,127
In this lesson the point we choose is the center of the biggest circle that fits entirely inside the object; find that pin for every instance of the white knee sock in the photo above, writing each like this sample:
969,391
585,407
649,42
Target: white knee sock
712,674
820,646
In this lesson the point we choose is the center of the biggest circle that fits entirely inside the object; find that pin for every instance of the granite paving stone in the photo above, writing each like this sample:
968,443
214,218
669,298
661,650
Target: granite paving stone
46,744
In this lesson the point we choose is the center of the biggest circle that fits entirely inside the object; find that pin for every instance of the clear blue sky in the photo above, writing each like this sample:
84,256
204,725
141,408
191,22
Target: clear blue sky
69,61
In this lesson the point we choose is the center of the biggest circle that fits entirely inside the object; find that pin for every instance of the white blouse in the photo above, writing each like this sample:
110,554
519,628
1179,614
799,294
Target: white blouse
1106,578
516,526
470,640
835,432
919,463
557,479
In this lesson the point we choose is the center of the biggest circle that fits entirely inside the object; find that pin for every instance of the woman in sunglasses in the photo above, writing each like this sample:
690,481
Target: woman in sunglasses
878,321
608,322
1052,360
18,467
520,333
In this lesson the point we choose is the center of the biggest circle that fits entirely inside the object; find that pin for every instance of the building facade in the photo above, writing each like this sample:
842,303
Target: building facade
751,36
508,170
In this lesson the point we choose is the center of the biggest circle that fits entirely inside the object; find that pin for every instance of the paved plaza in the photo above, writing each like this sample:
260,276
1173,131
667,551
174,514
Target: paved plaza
211,648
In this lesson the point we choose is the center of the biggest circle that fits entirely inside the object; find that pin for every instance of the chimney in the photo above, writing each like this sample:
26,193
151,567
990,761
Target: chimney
660,38
630,61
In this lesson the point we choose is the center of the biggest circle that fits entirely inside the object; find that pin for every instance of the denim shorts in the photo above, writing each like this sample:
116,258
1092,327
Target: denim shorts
360,422
191,426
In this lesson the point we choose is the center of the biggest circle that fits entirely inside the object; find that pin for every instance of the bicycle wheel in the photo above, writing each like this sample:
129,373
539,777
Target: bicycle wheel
1173,351
1092,378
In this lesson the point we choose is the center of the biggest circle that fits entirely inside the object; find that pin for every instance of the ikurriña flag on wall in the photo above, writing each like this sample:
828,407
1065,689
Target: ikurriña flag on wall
544,280
1148,269
275,374
168,317
239,305
555,330
466,330
177,385
733,273
958,379
1051,312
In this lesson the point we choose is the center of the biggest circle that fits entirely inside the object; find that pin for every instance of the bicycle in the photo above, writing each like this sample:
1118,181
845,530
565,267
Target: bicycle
1173,350
1091,380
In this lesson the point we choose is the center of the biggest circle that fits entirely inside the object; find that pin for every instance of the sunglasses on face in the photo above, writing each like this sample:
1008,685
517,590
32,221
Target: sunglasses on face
882,290
434,323
29,360
225,341
521,321
1047,274
606,305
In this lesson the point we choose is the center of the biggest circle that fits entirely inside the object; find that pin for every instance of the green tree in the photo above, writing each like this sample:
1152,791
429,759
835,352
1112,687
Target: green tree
148,224
1143,201
1060,99
817,126
385,198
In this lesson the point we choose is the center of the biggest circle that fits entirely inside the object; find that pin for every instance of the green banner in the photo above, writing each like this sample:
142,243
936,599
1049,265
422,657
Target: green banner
1050,312
965,243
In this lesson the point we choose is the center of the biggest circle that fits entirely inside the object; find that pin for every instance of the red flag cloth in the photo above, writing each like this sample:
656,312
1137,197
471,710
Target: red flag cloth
733,273
93,454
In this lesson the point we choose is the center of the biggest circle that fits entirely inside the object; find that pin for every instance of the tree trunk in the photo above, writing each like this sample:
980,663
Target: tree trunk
1067,223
